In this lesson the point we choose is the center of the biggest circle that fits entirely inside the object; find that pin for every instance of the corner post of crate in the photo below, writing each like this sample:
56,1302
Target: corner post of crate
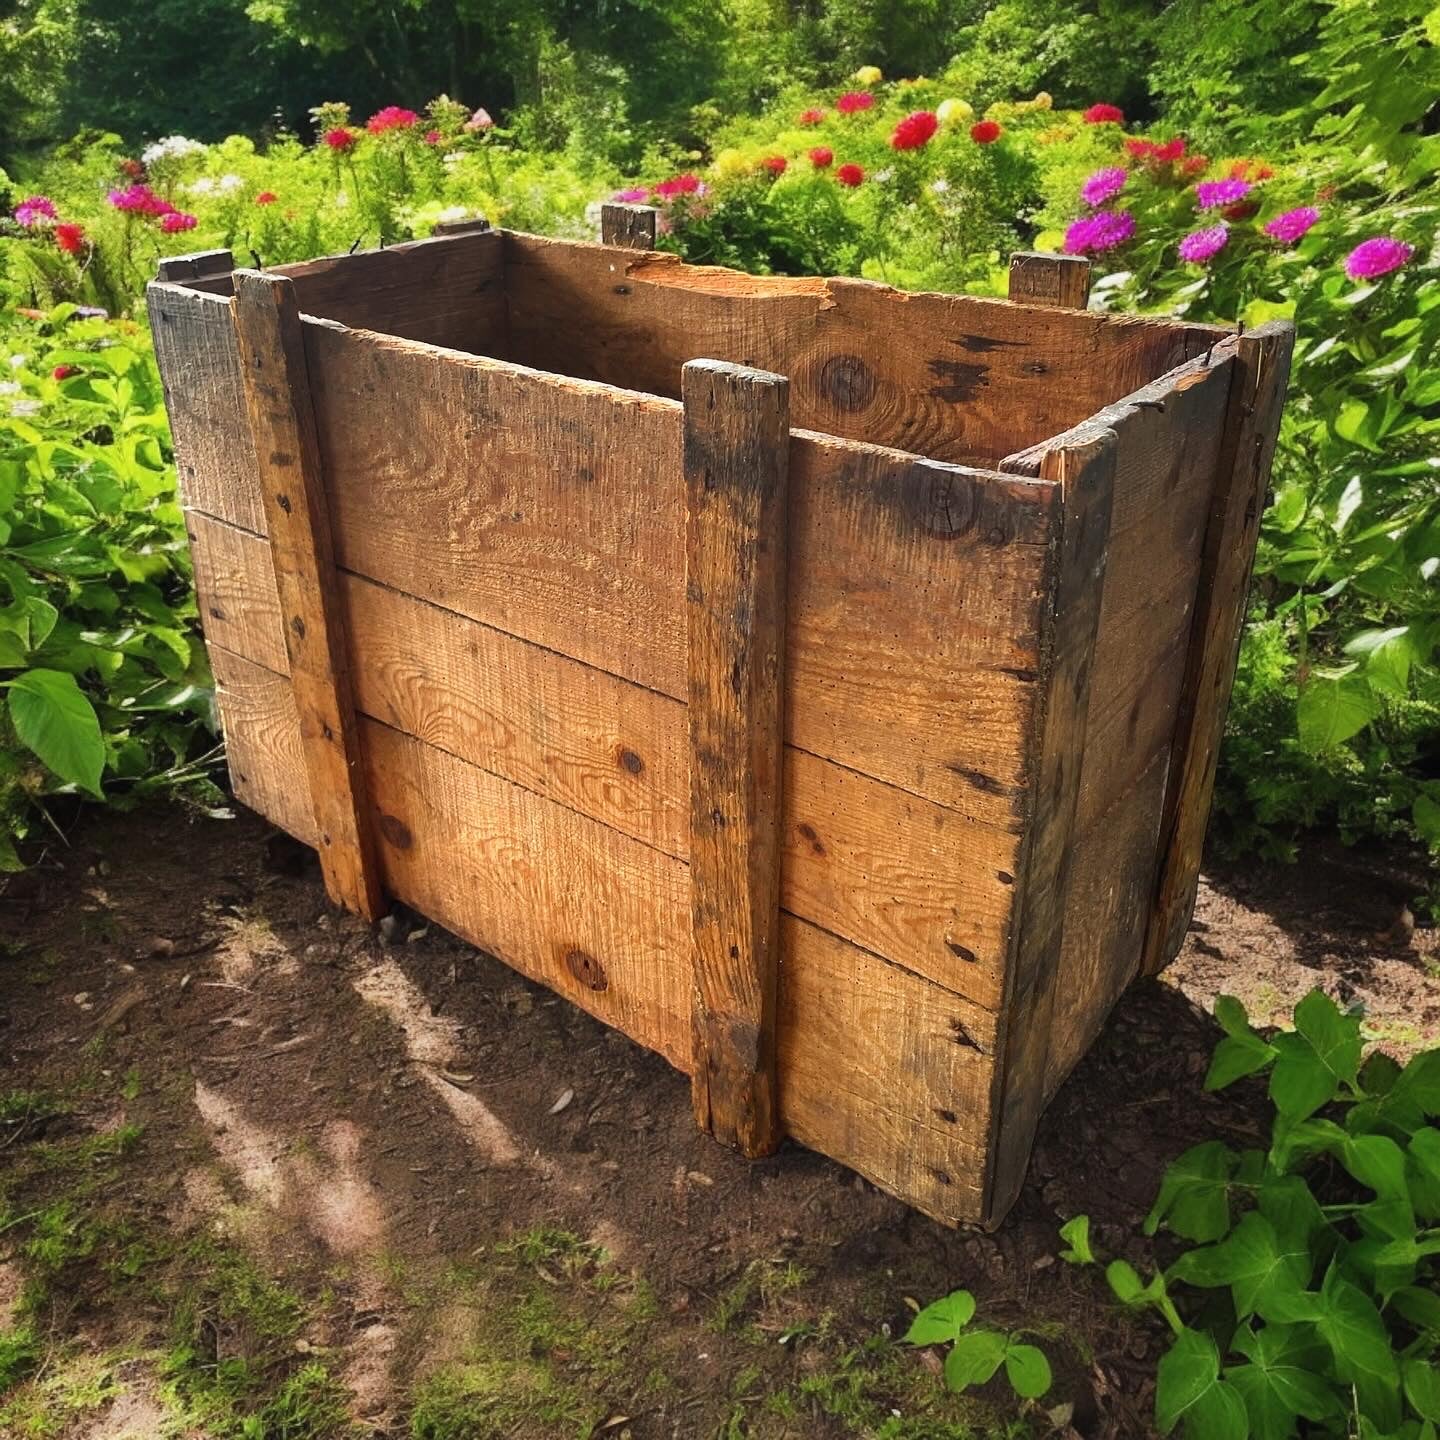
1038,278
1252,424
198,266
632,227
276,382
1085,472
736,463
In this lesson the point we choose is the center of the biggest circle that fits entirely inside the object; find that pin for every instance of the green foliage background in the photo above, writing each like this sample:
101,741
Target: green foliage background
1336,716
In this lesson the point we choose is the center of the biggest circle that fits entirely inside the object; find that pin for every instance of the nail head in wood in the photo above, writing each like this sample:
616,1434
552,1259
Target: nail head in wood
1037,278
736,462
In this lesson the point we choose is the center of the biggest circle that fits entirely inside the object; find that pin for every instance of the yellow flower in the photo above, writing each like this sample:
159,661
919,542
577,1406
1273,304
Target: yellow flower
954,112
868,75
729,163
1043,100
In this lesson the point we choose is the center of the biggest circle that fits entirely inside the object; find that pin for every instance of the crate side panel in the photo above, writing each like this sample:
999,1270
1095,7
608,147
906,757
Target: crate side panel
551,509
953,377
200,370
899,875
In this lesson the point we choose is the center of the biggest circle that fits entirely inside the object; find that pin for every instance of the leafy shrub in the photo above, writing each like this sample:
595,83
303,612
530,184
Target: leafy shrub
1316,1254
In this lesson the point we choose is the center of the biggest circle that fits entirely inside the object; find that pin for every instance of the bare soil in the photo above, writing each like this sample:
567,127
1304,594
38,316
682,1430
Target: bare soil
474,1190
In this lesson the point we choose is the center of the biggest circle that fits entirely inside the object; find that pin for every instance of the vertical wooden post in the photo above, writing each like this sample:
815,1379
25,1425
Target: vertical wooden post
475,225
1252,424
282,422
1086,474
737,450
630,226
1037,278
198,266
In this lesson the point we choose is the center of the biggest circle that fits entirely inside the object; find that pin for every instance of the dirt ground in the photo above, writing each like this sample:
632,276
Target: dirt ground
267,1173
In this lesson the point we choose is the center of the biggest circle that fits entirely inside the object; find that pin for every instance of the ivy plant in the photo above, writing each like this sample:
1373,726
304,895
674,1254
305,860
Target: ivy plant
1304,1299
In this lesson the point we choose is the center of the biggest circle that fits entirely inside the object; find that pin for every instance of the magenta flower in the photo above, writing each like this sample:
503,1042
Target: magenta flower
637,195
1104,185
1291,227
1104,230
1202,246
1212,194
1377,256
173,221
35,211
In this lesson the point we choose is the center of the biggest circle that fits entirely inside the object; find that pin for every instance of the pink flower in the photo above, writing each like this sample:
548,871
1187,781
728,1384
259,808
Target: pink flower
851,175
812,116
1212,194
140,200
985,132
822,157
266,197
480,120
64,372
173,221
1378,256
636,195
1201,246
1104,185
35,211
432,137
392,117
915,130
70,238
1292,226
1104,114
852,102
679,185
340,139
1104,230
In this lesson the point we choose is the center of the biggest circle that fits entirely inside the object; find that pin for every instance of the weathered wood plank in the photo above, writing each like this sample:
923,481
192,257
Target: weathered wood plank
1086,475
1262,369
475,225
196,266
1039,278
630,226
737,447
896,874
282,426
956,378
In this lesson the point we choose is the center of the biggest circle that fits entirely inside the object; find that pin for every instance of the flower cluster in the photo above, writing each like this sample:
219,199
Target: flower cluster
1103,114
1094,234
1214,194
36,212
140,199
855,102
1104,185
915,130
392,117
172,147
1377,256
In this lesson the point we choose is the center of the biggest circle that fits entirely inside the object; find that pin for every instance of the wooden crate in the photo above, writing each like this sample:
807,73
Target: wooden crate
819,683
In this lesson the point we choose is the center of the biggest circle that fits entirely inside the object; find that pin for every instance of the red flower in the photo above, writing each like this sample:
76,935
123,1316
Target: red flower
852,102
64,372
914,130
340,138
432,137
1170,151
822,157
775,164
1194,164
392,117
678,185
1140,149
851,175
1104,114
1241,210
985,132
812,116
70,238
132,169
174,221
266,197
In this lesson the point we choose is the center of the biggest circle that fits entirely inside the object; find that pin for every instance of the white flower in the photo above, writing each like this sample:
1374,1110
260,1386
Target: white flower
939,187
452,213
172,147
25,407
230,183
10,387
881,176
203,186
452,158
341,200
17,362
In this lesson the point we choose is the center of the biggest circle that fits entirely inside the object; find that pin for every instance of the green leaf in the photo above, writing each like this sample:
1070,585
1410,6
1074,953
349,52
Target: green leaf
1301,1082
1124,1280
55,720
1028,1371
1378,1162
1420,1307
1332,709
1076,1234
1282,1382
1336,1037
1235,1057
1262,1274
976,1357
1188,1387
1420,1082
1422,1388
1194,1198
943,1320
1351,1326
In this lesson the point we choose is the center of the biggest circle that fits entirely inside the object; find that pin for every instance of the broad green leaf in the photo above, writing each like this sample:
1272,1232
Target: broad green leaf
1420,1307
1387,655
1188,1387
1351,1326
1332,709
1301,1082
1281,1382
1235,1057
943,1320
1263,1275
1420,1082
1124,1281
1076,1234
55,720
977,1355
1422,1388
1194,1198
1027,1370
1378,1162
1336,1037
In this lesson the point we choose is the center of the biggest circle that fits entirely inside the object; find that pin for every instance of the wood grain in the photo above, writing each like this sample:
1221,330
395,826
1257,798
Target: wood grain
1086,475
1252,424
1039,278
632,227
898,875
282,427
737,449
195,266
